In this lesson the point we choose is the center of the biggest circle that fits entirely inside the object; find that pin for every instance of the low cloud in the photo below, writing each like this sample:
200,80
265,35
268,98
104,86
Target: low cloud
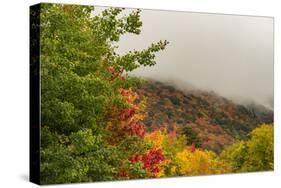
230,55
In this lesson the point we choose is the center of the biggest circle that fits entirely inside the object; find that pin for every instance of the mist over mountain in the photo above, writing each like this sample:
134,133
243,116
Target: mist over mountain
231,55
257,99
228,54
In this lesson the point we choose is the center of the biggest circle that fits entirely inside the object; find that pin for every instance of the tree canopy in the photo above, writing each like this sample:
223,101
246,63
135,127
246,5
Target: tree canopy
255,154
90,121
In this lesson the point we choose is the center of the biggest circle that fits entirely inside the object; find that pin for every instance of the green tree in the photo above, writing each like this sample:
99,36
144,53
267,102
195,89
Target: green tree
81,78
255,154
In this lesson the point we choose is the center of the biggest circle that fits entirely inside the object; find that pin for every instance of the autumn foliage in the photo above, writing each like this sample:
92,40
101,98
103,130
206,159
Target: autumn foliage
150,160
97,123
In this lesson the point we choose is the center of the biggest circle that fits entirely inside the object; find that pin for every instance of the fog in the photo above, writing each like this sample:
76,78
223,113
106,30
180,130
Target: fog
230,55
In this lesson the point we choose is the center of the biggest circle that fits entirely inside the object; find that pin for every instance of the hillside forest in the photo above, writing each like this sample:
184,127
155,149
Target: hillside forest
100,123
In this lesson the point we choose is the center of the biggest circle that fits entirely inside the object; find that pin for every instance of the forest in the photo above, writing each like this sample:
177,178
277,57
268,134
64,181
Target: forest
100,123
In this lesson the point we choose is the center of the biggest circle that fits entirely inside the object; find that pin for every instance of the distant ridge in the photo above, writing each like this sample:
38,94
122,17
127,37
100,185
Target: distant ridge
217,121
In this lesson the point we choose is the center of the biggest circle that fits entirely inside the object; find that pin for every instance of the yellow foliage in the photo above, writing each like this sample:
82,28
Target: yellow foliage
182,160
255,154
156,138
199,162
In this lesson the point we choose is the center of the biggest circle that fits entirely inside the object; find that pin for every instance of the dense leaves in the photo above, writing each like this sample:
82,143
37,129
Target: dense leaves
255,154
198,162
91,122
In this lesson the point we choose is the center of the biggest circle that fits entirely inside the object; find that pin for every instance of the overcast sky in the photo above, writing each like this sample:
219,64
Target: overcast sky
231,55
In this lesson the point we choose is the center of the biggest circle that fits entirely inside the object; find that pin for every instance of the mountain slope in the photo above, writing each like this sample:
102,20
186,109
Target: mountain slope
216,120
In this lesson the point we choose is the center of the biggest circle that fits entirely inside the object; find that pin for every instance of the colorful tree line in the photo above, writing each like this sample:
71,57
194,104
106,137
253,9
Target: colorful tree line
92,118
